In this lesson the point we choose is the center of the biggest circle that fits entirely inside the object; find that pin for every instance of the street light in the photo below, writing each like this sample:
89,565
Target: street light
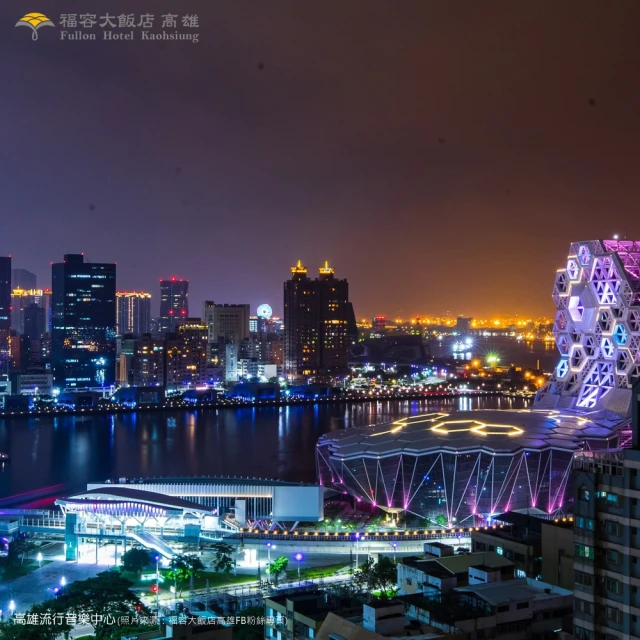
158,587
63,582
298,558
269,545
12,607
395,546
39,559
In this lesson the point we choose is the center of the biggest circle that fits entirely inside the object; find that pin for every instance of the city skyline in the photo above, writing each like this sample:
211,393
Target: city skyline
435,162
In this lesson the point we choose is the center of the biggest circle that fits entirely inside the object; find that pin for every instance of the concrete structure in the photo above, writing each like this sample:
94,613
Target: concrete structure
300,615
597,327
33,383
84,320
241,500
522,609
443,574
539,548
316,315
607,542
174,303
133,312
148,363
186,362
468,466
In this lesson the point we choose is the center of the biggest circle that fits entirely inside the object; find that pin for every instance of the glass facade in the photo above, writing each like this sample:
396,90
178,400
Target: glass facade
84,320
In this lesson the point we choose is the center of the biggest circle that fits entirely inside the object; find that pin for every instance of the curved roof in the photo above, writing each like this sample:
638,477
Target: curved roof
494,431
119,494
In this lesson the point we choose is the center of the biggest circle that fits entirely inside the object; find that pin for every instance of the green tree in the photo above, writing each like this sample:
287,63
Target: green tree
441,520
249,631
224,562
19,550
182,567
278,567
135,560
379,576
106,597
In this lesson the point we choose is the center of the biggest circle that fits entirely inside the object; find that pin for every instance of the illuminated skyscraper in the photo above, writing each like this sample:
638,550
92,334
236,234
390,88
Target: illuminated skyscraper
133,312
174,303
22,298
84,320
315,321
226,323
186,355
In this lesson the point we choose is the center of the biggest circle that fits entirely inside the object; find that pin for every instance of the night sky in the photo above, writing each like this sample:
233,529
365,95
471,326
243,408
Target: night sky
441,154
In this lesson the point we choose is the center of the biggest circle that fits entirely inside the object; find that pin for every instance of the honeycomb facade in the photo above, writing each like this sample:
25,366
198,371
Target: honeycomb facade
597,328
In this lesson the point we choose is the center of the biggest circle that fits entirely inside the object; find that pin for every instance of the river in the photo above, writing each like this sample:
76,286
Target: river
64,453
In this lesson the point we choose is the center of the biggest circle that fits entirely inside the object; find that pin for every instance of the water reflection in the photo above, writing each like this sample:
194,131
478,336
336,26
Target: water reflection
264,442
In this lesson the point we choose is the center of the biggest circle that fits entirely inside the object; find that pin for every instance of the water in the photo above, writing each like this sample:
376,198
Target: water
64,453
508,350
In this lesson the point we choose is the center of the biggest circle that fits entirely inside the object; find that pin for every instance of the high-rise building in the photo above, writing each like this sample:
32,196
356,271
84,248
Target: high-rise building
315,319
226,323
23,279
186,355
22,298
5,293
174,303
148,362
379,323
34,322
84,321
607,540
133,312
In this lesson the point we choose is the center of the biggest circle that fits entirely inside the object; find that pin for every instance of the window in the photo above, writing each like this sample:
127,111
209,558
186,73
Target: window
409,581
584,523
613,585
503,608
583,494
614,615
613,556
585,579
481,546
584,551
522,605
518,557
583,634
582,606
499,550
613,528
612,499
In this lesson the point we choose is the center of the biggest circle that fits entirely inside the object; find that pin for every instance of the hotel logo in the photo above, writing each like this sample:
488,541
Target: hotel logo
34,21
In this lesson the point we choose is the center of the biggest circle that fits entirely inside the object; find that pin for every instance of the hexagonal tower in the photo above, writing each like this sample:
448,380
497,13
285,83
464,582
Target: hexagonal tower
597,328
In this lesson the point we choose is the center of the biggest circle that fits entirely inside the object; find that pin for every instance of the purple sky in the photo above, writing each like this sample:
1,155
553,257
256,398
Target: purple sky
441,154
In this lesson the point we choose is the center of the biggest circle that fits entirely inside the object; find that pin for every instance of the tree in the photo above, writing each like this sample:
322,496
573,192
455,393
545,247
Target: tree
277,567
135,560
249,631
182,567
20,549
105,598
441,520
224,562
377,576
45,621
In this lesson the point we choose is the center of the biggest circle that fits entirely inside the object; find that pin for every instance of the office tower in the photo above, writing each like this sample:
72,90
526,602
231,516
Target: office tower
174,303
133,312
84,320
23,279
315,323
22,298
5,293
34,322
186,355
226,323
463,325
253,324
